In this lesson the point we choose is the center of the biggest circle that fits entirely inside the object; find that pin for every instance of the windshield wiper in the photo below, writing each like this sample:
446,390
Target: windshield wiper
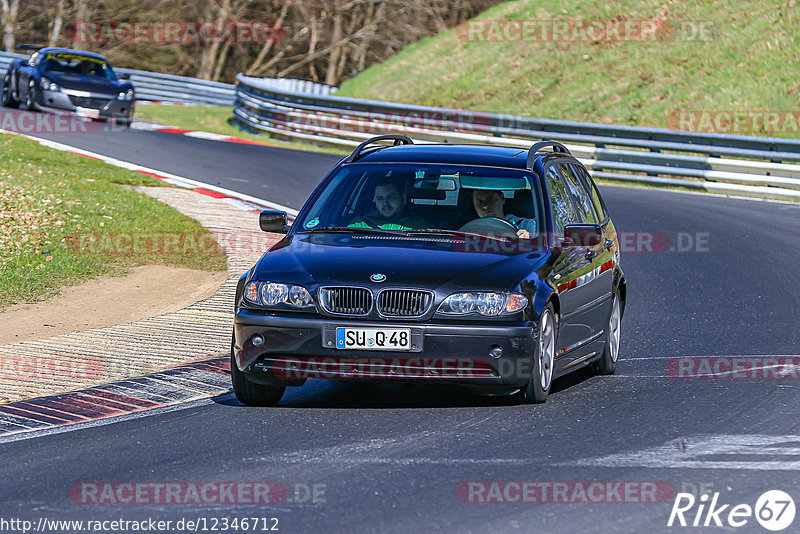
354,230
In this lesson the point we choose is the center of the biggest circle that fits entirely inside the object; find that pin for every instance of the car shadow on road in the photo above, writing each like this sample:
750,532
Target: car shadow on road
348,394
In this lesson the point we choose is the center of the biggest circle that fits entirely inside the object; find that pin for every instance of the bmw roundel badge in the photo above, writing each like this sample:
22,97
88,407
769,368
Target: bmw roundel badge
378,277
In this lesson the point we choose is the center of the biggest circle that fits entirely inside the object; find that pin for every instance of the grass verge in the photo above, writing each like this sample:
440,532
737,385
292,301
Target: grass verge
745,60
51,200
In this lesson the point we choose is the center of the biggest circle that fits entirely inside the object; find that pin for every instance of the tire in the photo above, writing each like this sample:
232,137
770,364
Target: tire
250,393
544,360
30,102
608,361
8,98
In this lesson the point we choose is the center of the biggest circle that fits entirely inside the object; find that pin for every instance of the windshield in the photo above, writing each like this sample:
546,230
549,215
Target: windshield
426,197
87,67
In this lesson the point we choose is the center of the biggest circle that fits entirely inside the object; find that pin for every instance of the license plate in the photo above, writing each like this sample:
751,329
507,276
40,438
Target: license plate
86,112
373,338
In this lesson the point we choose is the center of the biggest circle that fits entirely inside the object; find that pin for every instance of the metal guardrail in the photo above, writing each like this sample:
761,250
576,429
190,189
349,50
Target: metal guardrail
731,164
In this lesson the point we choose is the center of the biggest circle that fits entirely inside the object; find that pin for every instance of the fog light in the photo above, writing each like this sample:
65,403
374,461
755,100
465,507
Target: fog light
496,351
257,340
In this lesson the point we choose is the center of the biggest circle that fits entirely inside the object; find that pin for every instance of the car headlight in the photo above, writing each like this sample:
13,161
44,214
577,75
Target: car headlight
126,96
47,85
277,294
485,303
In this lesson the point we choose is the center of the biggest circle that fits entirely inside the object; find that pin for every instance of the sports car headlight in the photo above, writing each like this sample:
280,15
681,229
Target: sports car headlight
489,304
47,85
126,96
277,294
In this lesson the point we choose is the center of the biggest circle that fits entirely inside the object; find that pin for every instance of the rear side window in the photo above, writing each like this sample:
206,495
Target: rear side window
583,203
563,211
589,184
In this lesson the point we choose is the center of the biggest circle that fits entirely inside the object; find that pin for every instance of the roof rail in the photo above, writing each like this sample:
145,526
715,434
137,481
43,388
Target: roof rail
398,140
537,147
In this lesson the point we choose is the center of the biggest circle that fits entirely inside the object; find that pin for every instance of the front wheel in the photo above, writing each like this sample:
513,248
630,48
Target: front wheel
608,361
30,101
544,360
251,393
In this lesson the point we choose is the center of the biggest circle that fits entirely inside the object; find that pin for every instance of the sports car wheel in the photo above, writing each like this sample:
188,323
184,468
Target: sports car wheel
608,361
250,393
8,98
30,102
544,360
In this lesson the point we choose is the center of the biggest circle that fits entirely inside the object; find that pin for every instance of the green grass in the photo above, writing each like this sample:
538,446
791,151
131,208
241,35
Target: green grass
50,200
749,63
216,119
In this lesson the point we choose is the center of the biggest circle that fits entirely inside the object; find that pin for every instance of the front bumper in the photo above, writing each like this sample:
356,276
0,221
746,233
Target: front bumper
298,347
106,106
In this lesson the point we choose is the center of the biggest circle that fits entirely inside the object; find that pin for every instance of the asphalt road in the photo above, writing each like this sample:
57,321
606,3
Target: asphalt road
390,458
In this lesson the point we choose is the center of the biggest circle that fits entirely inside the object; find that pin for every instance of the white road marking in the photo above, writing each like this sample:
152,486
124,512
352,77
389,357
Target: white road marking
746,451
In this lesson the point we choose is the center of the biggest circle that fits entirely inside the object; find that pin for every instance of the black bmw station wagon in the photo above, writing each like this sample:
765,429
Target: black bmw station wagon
496,268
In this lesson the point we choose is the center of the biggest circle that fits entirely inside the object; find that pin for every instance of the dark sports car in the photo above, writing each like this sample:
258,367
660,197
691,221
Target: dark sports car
496,268
61,79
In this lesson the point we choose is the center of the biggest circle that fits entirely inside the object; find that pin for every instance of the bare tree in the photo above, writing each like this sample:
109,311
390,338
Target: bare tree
58,21
9,15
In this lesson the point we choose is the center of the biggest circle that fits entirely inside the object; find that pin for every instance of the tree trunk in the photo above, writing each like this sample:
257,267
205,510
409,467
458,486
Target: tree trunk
262,54
58,21
336,49
10,24
80,17
210,54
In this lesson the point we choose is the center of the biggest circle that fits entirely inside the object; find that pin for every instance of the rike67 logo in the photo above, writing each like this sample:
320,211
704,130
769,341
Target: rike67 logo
774,510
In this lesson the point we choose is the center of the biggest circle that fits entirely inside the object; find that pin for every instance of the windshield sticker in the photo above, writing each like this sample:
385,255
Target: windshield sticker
312,223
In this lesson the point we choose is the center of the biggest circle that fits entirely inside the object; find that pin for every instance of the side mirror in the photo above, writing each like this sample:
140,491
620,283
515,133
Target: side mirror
273,221
124,76
584,235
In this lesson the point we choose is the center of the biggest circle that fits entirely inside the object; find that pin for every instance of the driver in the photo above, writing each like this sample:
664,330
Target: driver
391,209
489,203
85,68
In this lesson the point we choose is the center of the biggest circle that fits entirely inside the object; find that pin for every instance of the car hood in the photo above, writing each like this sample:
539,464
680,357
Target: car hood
83,83
430,262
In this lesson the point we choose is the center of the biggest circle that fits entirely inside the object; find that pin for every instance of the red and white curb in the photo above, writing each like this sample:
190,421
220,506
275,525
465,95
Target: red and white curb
197,134
161,391
236,199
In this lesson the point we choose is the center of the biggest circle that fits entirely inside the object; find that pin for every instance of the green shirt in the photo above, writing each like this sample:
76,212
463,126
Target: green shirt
407,222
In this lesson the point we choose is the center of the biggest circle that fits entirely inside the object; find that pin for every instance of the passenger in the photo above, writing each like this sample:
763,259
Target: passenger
391,210
489,203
